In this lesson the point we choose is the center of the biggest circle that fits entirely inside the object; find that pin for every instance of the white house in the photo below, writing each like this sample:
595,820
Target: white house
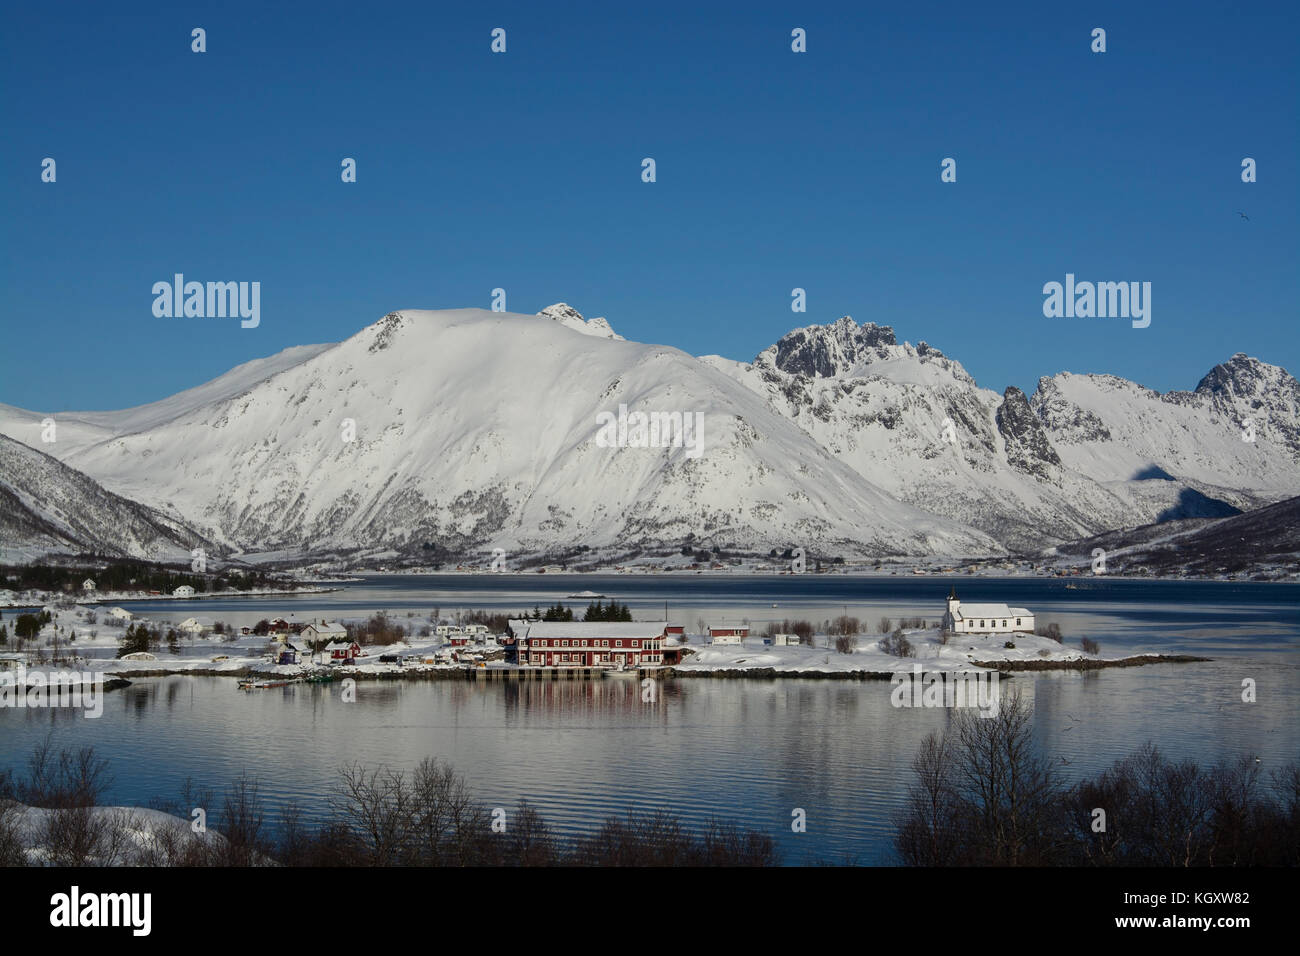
985,618
196,626
318,631
88,585
183,591
119,614
785,640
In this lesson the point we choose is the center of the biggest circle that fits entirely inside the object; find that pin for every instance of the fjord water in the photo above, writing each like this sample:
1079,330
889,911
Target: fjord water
746,751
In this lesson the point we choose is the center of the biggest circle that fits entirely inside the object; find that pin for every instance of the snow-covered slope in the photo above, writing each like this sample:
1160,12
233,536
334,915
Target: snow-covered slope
571,318
477,429
77,430
913,422
1117,431
45,507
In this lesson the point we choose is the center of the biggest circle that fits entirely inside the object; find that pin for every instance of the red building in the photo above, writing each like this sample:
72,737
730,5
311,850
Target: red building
727,635
590,644
341,651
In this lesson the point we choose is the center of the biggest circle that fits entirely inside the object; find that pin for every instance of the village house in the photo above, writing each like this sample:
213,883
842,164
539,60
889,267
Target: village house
119,614
196,626
985,618
589,643
319,632
345,652
674,639
727,635
184,590
785,640
88,585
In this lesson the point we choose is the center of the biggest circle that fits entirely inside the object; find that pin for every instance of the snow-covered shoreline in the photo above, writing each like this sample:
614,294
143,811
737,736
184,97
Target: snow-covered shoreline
43,598
85,639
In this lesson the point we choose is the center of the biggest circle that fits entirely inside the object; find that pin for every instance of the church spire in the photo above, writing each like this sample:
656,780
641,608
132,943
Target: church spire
952,593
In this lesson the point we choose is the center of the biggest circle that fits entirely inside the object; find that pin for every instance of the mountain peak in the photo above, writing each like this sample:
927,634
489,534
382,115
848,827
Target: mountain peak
1243,376
830,350
571,318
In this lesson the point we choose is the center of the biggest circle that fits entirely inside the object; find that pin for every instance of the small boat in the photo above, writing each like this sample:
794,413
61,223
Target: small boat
250,683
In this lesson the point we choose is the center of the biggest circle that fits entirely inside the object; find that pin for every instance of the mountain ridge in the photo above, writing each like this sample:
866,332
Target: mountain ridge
474,429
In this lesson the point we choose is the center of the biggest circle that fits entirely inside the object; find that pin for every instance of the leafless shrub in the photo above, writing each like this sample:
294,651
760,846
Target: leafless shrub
63,780
897,645
88,836
1052,630
928,833
845,626
981,795
884,625
659,839
1089,646
12,851
846,643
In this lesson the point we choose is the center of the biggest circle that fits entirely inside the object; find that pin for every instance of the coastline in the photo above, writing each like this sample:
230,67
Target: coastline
459,672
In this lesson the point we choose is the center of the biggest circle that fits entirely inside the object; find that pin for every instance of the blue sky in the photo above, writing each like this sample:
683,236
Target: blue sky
522,171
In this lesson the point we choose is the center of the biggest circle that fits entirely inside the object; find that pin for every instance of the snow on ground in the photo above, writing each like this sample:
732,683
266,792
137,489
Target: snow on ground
28,599
959,654
142,832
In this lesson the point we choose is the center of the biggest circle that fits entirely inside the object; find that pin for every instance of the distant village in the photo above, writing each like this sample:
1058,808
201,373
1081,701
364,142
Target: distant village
274,652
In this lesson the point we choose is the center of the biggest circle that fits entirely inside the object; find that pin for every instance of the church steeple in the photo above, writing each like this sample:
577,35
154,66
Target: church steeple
952,593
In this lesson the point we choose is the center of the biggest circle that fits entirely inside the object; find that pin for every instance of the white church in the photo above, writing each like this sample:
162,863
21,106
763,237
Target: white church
985,618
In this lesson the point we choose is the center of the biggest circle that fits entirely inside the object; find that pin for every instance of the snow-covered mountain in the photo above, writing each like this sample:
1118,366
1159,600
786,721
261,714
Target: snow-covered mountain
1086,454
467,430
75,431
45,506
1237,435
